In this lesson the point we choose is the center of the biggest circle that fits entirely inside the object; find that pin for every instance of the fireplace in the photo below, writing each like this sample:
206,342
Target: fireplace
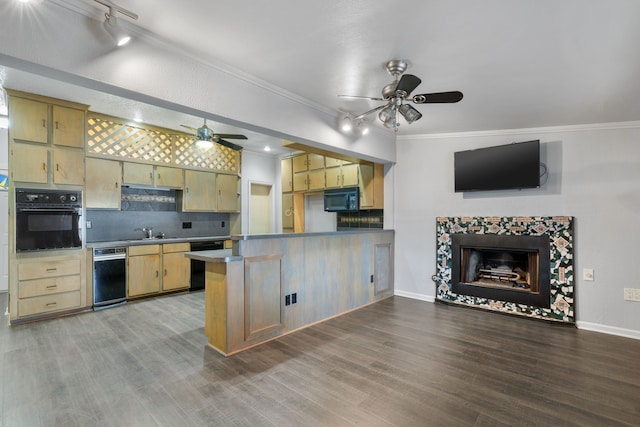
516,265
503,268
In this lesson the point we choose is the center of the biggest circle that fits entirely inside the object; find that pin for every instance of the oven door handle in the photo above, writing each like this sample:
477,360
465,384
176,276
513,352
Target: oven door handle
71,210
98,258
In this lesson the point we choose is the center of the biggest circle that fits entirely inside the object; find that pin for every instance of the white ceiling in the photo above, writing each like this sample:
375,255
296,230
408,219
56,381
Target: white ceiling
520,64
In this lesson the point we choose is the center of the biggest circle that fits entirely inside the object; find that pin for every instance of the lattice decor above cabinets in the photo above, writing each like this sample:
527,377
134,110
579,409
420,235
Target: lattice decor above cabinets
114,137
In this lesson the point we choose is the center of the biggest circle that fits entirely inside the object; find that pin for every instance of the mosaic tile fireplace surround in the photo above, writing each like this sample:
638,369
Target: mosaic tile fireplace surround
542,247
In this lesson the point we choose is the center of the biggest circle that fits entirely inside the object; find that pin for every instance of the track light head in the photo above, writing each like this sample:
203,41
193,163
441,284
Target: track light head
115,30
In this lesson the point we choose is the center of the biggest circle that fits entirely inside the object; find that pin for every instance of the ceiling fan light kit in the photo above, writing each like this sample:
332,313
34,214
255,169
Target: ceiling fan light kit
205,137
398,92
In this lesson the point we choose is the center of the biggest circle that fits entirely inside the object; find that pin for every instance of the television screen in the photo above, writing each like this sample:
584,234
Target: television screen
503,167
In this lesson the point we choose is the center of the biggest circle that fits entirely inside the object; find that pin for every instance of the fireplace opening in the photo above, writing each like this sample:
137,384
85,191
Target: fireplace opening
503,268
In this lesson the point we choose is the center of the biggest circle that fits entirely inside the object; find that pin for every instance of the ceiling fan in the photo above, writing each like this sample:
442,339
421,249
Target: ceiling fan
205,137
398,92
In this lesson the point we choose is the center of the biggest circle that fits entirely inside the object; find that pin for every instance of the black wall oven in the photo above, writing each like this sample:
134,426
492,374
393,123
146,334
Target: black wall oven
47,219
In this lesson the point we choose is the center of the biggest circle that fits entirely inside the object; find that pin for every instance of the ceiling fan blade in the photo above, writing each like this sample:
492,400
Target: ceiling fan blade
437,98
188,127
229,136
229,144
408,83
371,111
361,97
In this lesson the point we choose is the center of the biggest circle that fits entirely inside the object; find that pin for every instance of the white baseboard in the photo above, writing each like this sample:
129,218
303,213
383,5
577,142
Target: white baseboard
611,330
413,295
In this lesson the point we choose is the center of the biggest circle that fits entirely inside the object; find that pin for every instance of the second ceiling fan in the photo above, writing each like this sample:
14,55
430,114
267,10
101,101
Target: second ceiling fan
205,137
397,93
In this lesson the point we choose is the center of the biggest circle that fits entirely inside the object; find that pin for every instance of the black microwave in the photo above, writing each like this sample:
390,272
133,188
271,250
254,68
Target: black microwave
342,200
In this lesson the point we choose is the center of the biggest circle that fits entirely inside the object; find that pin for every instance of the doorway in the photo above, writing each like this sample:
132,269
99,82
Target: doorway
260,204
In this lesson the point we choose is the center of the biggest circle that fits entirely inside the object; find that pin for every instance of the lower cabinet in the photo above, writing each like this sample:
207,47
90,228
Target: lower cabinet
152,269
143,270
47,286
175,266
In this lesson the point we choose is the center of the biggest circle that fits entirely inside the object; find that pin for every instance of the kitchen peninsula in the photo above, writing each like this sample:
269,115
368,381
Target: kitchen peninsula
272,284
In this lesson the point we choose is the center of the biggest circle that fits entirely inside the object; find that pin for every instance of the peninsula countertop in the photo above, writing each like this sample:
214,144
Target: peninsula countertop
217,256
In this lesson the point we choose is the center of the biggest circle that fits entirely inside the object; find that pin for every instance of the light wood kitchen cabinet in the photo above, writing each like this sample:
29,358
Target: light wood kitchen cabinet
68,167
309,181
287,212
29,163
199,191
169,177
46,286
68,127
286,174
103,182
143,270
176,268
227,193
330,162
137,173
343,176
29,120
307,162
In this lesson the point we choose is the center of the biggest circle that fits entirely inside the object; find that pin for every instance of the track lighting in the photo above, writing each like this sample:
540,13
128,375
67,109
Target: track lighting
346,125
362,126
111,22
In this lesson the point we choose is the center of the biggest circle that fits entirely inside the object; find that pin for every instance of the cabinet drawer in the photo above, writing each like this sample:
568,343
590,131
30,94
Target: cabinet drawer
48,303
39,270
176,247
48,286
144,250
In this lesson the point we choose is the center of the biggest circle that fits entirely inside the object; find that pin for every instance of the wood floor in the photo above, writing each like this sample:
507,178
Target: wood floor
399,362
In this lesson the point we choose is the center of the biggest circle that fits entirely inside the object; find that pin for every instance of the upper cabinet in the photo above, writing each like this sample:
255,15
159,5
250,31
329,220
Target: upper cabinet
227,193
286,174
46,140
169,177
199,191
137,173
103,184
307,162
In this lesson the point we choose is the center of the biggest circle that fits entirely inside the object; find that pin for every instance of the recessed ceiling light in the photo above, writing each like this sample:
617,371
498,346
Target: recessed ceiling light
267,148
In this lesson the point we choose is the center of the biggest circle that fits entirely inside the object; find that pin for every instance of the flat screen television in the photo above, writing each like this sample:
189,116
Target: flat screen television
502,167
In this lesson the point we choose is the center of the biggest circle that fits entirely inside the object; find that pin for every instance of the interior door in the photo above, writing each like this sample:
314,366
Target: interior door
260,209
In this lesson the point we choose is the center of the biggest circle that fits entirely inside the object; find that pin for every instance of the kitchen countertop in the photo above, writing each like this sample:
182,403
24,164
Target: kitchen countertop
154,241
221,255
319,234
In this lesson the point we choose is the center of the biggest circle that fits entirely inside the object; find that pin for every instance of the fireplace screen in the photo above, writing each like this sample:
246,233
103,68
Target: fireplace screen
502,267
510,269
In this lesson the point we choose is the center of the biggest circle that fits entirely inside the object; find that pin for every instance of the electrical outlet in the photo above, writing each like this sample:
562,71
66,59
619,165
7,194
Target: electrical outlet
631,294
222,224
587,274
186,224
89,224
287,300
294,298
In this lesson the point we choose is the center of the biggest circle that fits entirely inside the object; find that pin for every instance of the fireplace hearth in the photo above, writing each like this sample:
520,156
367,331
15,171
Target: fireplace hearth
516,265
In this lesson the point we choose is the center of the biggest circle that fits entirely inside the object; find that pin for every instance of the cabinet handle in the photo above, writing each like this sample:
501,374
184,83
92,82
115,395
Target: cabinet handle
187,189
52,286
57,167
50,304
165,271
151,175
157,273
44,123
44,166
52,269
56,125
116,184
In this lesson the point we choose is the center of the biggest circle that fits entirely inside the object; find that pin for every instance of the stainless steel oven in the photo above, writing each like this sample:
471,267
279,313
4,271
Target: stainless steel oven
48,219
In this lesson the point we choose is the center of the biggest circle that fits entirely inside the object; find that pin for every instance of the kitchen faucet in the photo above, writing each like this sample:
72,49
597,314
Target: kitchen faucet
148,231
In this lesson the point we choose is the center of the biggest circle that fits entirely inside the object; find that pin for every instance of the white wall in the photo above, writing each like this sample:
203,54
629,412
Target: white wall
594,177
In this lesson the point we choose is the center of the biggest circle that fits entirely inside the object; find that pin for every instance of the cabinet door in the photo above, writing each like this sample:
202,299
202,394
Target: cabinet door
29,163
176,271
287,212
333,178
68,127
29,120
103,183
199,191
227,193
330,162
316,180
350,175
367,198
168,177
300,181
286,173
68,167
315,161
137,173
299,163
143,275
